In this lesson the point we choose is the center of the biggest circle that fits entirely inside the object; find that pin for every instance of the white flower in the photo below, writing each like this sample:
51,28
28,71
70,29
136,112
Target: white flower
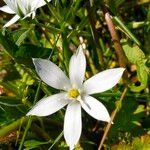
21,9
74,92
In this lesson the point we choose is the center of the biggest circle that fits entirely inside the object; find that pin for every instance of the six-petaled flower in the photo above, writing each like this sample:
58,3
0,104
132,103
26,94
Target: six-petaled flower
75,93
21,8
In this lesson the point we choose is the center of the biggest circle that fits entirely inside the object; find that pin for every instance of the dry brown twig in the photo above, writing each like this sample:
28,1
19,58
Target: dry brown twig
112,118
122,63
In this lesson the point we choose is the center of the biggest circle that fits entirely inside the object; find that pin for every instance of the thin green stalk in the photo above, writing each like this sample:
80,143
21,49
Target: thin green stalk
25,132
55,15
73,9
66,53
45,89
9,101
30,118
135,25
35,99
13,126
102,45
50,28
91,63
95,37
108,94
127,31
37,93
54,47
57,139
40,132
98,49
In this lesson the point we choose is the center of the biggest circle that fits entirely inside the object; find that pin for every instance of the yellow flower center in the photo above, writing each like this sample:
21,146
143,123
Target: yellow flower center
73,93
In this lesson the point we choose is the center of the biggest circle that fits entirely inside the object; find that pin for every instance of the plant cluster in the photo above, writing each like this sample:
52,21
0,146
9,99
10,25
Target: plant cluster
102,46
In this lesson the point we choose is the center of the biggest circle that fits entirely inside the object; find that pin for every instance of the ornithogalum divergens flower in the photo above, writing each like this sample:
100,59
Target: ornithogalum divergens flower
75,92
21,9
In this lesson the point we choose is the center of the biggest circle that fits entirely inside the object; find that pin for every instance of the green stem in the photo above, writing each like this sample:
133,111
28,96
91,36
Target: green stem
91,63
127,31
95,37
54,46
37,93
57,139
50,28
25,132
30,118
40,133
46,90
13,126
119,94
53,12
9,101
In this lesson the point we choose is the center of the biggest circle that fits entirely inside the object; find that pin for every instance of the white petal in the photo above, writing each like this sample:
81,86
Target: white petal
103,81
51,74
22,5
12,21
72,124
33,14
7,9
11,4
42,3
37,4
95,109
77,67
49,105
29,15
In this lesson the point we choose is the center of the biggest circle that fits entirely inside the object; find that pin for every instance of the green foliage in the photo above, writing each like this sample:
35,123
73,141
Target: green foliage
136,56
32,144
137,144
128,120
20,35
55,33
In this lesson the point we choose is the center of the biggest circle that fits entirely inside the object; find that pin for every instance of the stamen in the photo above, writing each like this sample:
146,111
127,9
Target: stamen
73,93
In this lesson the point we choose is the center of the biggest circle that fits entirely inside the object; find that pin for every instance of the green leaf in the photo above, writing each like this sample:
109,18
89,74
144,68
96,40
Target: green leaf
66,51
22,53
143,78
33,144
12,86
20,35
136,56
139,109
9,101
126,30
127,120
32,51
26,52
8,45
